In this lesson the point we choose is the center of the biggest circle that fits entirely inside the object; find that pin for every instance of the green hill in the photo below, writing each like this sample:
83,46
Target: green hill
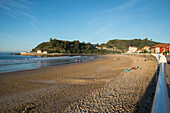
60,46
124,44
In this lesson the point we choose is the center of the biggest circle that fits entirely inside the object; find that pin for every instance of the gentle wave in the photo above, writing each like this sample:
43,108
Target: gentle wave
11,63
25,60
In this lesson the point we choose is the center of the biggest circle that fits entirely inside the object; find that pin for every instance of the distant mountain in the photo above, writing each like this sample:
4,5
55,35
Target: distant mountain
124,44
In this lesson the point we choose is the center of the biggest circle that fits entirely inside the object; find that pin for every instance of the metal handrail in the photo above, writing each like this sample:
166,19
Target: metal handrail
161,99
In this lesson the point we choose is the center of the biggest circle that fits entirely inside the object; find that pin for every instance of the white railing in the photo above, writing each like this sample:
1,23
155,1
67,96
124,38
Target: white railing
161,100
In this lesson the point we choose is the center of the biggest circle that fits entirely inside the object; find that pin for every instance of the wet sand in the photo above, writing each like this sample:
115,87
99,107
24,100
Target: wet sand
99,86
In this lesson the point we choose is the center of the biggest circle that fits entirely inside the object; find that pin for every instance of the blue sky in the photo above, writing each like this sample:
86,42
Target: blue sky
26,23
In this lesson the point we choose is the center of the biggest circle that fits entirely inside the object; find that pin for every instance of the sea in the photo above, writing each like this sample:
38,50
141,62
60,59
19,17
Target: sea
11,63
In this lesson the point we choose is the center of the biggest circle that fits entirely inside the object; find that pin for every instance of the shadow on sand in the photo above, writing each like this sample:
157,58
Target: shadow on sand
145,102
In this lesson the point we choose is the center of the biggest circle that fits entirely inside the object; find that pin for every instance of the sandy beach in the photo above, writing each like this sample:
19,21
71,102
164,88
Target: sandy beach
98,86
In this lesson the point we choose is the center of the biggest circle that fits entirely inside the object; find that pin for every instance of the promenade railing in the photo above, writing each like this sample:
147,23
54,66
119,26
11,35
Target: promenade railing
161,102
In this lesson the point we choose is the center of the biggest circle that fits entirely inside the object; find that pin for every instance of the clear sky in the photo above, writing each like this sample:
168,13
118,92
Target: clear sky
26,23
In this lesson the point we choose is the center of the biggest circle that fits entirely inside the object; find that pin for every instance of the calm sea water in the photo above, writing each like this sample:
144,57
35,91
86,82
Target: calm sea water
10,63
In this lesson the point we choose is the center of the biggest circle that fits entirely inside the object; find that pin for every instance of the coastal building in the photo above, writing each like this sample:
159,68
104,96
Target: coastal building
104,47
110,49
160,48
44,52
147,48
98,47
39,51
132,49
23,53
139,51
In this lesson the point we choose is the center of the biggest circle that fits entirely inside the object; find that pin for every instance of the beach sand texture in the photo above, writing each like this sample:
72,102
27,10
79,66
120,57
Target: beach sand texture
98,86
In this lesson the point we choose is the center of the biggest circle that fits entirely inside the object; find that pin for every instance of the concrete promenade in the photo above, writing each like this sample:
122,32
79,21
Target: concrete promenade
168,74
168,68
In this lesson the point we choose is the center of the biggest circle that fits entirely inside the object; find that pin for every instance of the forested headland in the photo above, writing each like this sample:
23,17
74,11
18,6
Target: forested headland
62,46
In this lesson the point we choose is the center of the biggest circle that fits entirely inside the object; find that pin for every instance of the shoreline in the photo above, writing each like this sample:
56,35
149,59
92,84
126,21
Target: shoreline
54,54
55,61
48,67
55,88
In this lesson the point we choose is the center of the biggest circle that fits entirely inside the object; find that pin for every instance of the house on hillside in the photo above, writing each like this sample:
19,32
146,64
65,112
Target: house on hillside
98,47
110,49
39,51
160,48
147,48
132,49
44,52
139,51
104,47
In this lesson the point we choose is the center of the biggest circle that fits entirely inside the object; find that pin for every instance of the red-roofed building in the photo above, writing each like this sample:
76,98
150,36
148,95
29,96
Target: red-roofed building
139,50
147,48
160,48
104,47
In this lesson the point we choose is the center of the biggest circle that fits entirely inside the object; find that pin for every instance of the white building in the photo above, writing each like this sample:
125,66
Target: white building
132,49
147,48
39,51
99,47
157,49
111,49
44,52
23,53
